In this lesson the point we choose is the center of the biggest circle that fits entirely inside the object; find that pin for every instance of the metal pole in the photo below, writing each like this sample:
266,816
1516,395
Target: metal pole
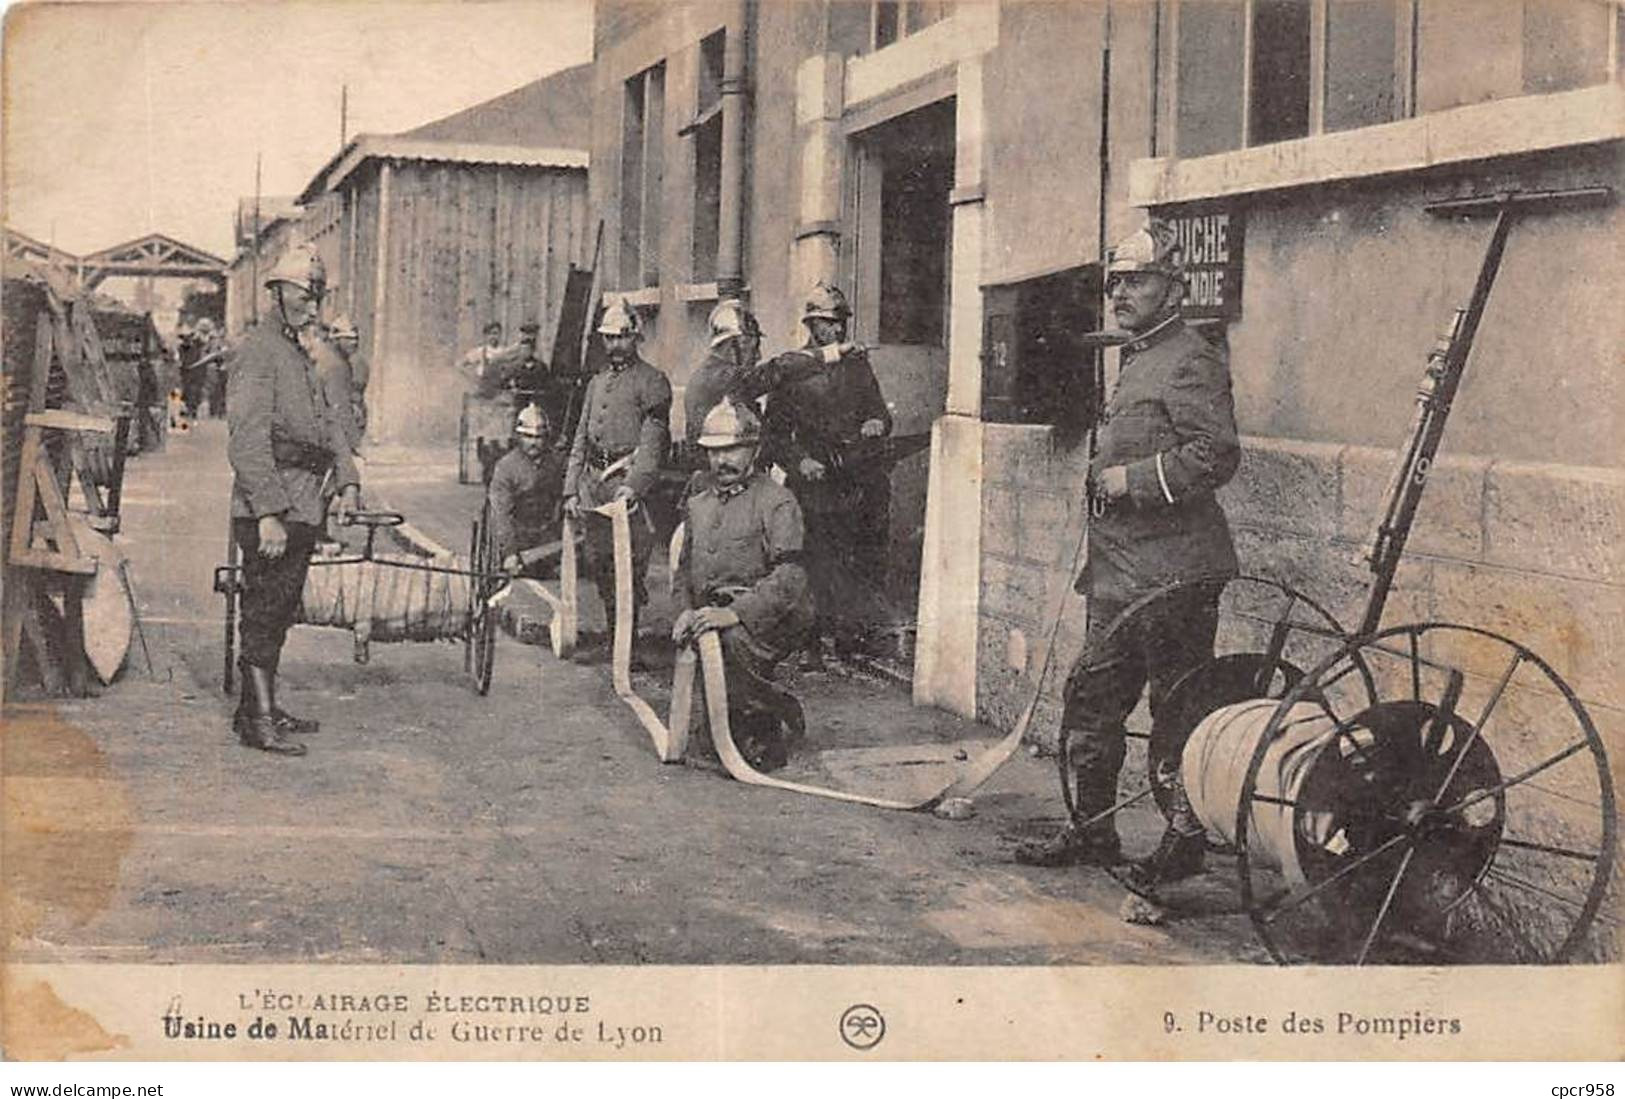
731,203
254,245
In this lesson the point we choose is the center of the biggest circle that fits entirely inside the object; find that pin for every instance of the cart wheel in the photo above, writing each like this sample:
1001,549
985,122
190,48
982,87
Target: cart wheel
479,654
1290,630
1463,813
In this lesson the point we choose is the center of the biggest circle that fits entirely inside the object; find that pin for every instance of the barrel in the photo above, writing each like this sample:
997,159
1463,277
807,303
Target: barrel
1214,769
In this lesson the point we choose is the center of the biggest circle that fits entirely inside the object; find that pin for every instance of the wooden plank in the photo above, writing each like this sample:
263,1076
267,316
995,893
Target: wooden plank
73,637
64,419
44,343
38,619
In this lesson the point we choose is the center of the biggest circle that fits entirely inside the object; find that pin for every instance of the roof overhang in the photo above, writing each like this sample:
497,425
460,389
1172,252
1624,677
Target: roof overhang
389,147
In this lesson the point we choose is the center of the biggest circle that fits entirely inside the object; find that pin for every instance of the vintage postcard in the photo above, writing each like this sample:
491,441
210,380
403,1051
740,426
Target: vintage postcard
813,529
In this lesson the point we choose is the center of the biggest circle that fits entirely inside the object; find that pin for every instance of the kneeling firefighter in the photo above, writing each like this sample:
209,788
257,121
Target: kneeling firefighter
740,573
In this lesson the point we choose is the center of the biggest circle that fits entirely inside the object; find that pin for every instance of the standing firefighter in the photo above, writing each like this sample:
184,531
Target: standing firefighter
811,422
336,369
730,367
524,492
288,453
1167,440
740,573
620,444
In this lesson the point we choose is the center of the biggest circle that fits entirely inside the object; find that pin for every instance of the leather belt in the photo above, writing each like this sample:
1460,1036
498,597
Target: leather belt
603,459
290,453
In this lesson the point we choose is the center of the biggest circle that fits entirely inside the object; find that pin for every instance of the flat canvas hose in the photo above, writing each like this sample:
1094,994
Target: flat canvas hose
670,741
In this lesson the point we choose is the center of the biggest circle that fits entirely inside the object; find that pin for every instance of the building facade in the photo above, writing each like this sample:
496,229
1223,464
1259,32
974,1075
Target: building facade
958,170
430,234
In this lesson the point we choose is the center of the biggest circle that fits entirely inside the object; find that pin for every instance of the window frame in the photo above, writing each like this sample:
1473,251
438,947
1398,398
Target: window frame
650,174
1407,29
1167,90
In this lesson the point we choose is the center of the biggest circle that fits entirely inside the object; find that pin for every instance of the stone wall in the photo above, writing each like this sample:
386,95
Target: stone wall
1524,550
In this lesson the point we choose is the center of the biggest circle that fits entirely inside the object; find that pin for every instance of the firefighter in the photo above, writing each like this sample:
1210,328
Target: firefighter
620,444
810,423
736,343
1167,440
740,573
337,371
730,367
524,494
288,454
348,341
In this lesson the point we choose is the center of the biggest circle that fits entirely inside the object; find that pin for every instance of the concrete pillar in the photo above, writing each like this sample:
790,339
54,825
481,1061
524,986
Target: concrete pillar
950,568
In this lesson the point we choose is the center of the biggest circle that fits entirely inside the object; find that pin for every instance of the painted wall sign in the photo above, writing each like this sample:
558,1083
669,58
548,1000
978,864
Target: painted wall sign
1211,235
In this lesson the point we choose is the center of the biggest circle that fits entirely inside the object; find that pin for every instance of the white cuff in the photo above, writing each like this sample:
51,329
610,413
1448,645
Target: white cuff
1162,479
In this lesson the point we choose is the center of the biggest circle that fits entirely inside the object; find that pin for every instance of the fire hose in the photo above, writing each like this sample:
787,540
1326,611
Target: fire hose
671,739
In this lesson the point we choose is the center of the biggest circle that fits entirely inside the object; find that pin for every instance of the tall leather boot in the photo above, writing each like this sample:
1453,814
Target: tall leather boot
257,728
1182,851
289,723
1094,845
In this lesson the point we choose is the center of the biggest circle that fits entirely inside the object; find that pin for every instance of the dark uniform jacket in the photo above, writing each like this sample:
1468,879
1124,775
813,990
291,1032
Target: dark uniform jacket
624,410
743,549
284,436
818,415
1171,423
524,496
718,376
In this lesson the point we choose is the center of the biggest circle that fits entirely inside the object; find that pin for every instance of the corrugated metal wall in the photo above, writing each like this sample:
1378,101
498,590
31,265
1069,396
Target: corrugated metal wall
466,244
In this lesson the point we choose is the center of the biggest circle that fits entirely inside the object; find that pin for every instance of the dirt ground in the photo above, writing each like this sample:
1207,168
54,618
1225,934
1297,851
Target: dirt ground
534,825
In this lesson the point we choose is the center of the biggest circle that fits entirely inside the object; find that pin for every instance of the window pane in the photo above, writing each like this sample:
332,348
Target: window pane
1209,76
1565,44
1359,63
887,23
707,198
1280,77
632,183
654,130
1467,51
922,13
710,74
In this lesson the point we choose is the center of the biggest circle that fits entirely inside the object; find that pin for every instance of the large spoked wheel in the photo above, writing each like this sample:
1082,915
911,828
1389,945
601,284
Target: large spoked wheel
479,653
1462,814
1280,631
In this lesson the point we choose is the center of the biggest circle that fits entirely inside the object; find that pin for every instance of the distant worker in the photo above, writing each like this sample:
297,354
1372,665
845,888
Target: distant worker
525,493
288,453
192,375
348,342
212,365
1167,440
811,423
333,366
620,444
533,381
740,573
479,363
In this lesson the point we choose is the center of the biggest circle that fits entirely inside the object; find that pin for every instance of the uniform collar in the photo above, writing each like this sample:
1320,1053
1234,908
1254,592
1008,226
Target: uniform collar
728,492
1155,334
